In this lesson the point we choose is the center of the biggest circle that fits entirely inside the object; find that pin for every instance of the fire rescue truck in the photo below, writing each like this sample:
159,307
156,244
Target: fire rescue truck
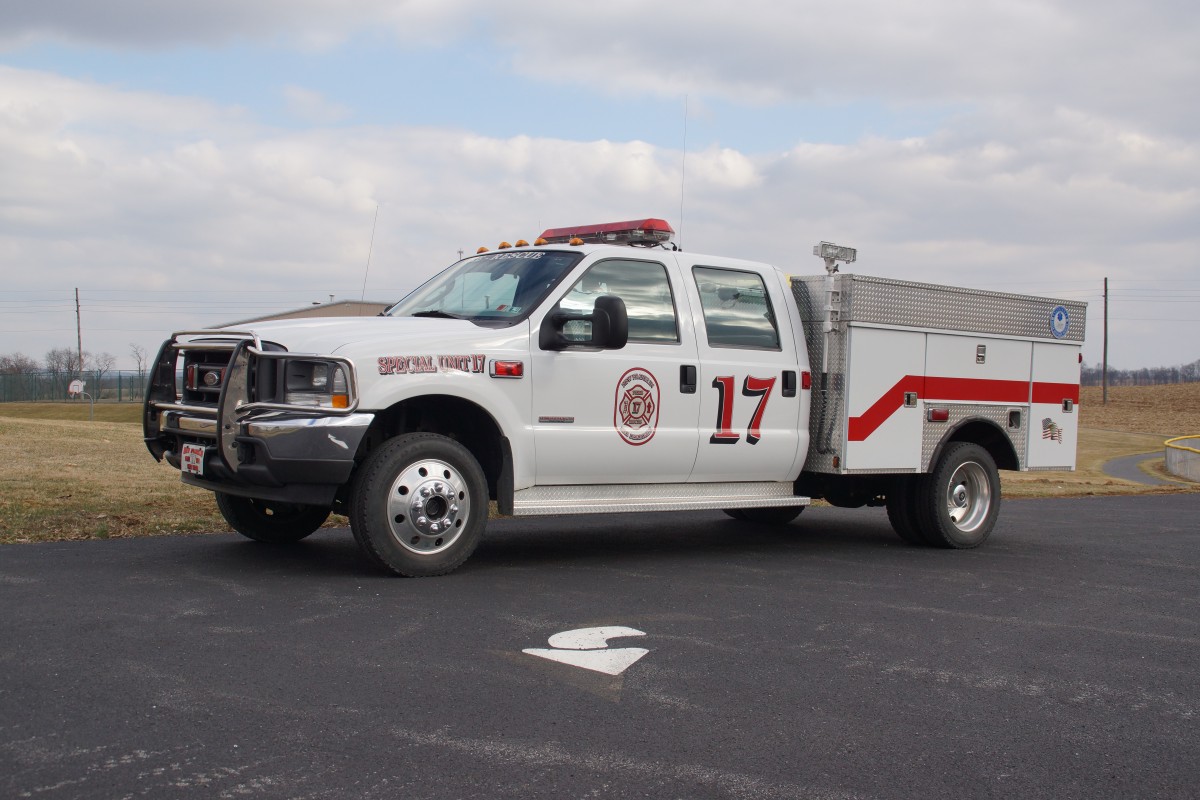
602,369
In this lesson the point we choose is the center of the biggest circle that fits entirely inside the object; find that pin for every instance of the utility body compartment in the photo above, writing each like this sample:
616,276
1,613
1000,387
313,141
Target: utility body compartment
900,366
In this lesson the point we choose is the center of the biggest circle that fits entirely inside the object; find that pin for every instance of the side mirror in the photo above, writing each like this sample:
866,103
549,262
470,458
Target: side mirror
606,328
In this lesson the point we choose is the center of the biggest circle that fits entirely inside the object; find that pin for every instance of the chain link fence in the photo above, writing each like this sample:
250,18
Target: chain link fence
108,386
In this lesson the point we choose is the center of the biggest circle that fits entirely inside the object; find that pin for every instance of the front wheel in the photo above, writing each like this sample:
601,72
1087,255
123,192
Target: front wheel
268,521
419,505
959,501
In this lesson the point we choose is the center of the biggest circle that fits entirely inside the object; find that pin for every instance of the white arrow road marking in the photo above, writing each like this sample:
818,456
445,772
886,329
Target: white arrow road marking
588,648
590,638
610,662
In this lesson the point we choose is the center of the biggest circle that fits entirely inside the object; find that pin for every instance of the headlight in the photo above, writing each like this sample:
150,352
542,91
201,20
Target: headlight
319,384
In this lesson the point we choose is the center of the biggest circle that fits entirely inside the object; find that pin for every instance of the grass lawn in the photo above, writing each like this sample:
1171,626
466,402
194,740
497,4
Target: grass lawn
63,477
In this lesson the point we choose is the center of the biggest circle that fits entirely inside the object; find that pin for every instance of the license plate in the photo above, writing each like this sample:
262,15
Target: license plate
193,459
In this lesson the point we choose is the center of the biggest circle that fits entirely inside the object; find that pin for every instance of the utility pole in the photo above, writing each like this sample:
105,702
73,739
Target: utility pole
1104,368
79,332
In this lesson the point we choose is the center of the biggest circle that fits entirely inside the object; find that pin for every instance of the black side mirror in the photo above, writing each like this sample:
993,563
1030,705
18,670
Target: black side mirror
607,327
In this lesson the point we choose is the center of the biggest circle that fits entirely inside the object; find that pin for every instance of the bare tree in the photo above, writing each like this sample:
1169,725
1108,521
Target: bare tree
17,364
101,364
61,361
139,357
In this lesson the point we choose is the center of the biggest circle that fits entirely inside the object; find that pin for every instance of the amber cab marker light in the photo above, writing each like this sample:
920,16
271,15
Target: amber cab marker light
481,250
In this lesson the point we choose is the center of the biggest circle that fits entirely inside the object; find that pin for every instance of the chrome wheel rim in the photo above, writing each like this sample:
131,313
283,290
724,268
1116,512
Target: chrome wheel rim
428,506
968,497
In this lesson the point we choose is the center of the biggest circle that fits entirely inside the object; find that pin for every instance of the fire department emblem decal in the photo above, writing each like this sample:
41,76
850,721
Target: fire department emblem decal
635,413
1060,322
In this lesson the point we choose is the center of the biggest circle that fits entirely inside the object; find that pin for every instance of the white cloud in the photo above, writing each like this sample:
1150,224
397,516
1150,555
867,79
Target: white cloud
154,24
1137,62
1072,154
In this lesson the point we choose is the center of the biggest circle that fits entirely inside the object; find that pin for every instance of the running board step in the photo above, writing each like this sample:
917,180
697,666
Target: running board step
613,498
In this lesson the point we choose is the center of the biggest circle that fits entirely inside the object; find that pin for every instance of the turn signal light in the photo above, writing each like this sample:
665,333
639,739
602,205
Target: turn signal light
508,369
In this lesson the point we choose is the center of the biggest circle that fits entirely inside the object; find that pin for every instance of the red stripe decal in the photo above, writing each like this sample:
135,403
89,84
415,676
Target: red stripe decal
961,389
1055,392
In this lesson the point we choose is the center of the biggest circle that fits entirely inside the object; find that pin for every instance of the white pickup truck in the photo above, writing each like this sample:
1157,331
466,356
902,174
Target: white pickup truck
602,369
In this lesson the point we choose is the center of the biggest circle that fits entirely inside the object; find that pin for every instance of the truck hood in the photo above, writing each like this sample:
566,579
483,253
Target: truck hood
372,337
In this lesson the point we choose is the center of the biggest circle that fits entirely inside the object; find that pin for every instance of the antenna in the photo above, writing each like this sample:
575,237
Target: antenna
683,168
370,247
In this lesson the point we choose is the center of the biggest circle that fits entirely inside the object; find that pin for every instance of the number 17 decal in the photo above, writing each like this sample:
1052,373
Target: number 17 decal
751,387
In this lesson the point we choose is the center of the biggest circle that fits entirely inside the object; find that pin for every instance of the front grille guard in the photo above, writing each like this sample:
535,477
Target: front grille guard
235,403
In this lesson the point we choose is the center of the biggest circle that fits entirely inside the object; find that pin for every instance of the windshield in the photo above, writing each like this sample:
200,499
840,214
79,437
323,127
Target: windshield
492,287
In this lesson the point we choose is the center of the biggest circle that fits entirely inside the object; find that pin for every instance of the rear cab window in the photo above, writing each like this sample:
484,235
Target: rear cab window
737,309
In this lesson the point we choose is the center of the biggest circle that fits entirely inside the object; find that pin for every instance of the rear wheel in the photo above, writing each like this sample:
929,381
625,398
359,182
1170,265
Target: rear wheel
269,521
419,505
778,515
902,511
957,503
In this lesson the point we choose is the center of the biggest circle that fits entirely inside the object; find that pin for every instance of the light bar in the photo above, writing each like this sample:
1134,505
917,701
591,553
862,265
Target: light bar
831,251
638,230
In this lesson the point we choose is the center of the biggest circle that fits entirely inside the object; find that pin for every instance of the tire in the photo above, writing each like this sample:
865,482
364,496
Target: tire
778,515
419,505
268,521
902,511
958,503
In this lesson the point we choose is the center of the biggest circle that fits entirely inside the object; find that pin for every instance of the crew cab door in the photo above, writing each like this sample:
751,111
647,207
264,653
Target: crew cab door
623,415
749,380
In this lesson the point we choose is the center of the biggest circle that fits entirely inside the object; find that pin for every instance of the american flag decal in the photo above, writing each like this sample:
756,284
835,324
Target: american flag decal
1050,430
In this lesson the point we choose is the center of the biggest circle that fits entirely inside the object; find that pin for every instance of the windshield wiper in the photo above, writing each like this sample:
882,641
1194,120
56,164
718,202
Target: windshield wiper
437,313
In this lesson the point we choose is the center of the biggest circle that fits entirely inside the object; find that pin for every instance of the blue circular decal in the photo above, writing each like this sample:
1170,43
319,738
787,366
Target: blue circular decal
1060,321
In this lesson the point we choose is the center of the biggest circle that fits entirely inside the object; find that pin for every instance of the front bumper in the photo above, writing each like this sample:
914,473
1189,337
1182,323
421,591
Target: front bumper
264,450
288,458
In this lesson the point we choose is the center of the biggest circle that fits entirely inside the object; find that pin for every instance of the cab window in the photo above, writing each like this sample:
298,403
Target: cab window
737,309
644,287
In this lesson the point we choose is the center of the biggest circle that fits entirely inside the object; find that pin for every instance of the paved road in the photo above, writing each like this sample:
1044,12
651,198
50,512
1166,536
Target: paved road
826,660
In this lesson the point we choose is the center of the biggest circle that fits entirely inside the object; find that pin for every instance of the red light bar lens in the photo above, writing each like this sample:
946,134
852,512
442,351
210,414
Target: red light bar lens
634,230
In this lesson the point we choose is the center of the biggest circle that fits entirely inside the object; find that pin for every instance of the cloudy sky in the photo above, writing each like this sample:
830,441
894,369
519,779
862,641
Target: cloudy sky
185,164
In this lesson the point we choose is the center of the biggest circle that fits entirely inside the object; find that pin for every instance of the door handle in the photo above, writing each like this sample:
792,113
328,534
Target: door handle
789,383
687,379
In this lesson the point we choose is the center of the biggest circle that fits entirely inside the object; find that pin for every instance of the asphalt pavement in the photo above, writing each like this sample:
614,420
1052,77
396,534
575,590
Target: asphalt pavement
1129,468
824,659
